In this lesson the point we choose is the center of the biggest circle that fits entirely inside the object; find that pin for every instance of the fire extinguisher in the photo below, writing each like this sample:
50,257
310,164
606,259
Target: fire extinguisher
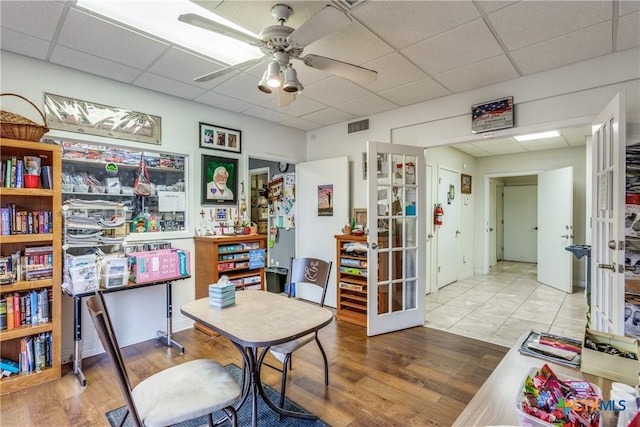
438,213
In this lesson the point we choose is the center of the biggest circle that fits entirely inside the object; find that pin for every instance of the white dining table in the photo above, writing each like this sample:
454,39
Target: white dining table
257,321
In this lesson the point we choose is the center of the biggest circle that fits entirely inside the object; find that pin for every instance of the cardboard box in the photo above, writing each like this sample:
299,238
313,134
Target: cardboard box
613,367
157,266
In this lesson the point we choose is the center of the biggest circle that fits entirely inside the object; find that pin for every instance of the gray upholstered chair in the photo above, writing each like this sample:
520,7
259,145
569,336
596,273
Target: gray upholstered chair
180,393
311,271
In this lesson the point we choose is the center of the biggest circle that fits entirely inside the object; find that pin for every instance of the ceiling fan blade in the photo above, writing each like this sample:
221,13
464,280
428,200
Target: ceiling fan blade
285,98
326,21
216,74
216,27
343,69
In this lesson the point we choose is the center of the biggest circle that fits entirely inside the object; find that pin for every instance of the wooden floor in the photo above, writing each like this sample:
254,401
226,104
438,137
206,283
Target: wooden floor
415,377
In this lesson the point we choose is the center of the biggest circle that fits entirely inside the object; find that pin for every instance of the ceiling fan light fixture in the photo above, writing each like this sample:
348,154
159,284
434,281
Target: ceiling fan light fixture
273,75
290,80
263,86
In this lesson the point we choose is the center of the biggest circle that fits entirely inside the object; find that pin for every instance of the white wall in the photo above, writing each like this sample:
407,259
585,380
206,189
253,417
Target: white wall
569,96
138,314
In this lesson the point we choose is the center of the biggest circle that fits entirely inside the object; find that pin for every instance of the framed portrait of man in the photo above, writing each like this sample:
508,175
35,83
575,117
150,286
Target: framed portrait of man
219,180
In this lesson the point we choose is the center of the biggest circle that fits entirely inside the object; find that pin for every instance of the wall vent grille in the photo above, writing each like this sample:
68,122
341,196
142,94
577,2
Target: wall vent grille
358,126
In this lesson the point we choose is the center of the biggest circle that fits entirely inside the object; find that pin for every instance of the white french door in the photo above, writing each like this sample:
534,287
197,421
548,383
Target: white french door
396,282
607,231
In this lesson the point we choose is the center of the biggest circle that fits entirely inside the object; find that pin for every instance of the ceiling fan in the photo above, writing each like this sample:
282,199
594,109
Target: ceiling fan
280,44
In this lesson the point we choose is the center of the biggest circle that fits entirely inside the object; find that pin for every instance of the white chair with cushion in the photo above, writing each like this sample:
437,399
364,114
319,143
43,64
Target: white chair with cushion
180,393
308,271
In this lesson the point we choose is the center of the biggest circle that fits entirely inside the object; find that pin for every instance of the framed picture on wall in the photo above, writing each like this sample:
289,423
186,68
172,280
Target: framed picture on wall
219,180
219,138
465,184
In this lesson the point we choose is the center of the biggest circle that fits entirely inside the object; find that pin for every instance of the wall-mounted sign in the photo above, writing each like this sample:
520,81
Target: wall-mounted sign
497,114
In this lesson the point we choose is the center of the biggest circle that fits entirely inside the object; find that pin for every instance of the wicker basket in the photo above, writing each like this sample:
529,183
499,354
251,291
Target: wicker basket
14,126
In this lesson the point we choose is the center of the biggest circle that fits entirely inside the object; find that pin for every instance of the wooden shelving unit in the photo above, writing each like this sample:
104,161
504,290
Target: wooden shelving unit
34,199
351,277
227,255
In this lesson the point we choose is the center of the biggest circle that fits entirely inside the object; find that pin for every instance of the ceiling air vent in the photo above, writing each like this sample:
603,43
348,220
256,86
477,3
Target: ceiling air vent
351,4
358,126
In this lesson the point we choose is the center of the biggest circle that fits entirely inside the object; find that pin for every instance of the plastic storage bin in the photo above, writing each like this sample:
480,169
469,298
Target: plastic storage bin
276,278
527,420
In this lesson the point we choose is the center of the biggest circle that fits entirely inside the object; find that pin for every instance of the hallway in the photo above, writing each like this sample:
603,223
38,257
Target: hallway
500,306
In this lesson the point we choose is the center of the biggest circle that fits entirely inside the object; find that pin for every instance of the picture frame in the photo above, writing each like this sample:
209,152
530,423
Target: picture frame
465,184
90,118
360,217
492,115
219,180
220,138
325,200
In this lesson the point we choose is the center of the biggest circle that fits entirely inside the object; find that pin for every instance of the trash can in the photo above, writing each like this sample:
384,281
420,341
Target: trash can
276,278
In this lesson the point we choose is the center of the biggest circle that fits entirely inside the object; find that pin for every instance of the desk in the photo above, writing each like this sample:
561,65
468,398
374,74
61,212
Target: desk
495,403
77,321
260,319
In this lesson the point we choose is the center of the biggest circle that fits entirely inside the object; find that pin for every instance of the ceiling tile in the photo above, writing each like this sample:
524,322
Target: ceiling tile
334,90
393,70
491,6
328,116
504,149
478,44
97,37
301,124
477,75
93,64
568,49
245,87
301,106
183,66
404,24
35,18
628,6
165,85
366,106
266,114
224,102
530,22
412,93
472,151
23,44
628,31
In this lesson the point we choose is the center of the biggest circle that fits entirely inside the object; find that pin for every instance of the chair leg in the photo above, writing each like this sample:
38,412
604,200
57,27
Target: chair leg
232,415
283,385
326,363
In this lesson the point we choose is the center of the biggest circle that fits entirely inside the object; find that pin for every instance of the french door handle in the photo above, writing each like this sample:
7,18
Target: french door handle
611,267
374,245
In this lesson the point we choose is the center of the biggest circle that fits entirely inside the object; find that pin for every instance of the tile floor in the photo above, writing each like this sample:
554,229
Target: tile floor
500,306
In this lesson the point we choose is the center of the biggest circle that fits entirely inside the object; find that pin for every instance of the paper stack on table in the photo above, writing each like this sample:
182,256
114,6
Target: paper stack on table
222,295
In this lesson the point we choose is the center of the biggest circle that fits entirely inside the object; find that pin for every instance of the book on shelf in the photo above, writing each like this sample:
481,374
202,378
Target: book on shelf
9,365
3,314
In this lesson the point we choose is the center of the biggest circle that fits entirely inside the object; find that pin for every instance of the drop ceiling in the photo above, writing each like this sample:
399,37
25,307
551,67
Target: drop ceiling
422,50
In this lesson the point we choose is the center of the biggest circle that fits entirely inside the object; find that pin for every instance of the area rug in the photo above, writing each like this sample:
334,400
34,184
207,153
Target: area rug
266,417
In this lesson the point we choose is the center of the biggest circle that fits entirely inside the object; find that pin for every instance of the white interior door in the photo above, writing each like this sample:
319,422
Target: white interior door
555,228
498,223
521,223
430,253
396,193
607,210
448,232
314,236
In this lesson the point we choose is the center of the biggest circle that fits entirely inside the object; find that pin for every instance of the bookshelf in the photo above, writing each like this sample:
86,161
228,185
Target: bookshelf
33,200
230,256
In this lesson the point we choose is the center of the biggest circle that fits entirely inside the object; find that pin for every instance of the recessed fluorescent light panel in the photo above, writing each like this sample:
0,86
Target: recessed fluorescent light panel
160,18
540,135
